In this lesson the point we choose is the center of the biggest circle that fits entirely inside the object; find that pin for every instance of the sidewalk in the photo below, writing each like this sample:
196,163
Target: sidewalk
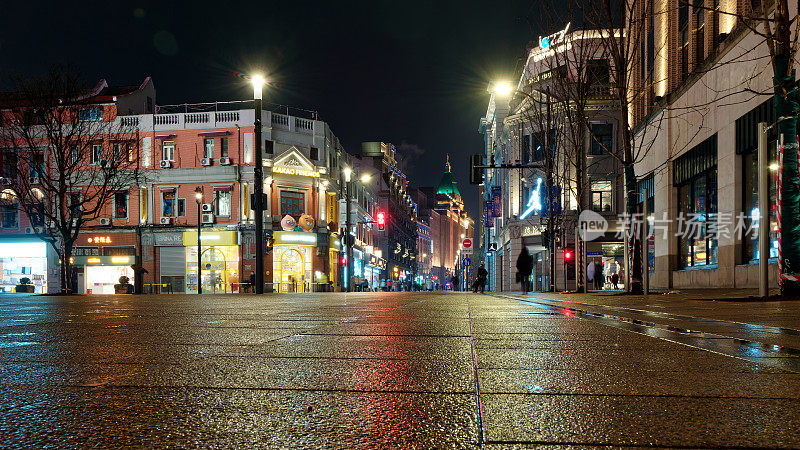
696,311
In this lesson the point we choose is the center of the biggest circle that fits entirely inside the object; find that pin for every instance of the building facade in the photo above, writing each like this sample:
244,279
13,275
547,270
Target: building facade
700,108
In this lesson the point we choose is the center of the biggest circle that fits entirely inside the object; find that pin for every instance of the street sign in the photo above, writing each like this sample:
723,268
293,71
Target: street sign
467,243
467,261
493,246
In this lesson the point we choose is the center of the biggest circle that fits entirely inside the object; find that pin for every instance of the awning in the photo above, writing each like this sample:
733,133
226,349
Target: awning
166,136
214,133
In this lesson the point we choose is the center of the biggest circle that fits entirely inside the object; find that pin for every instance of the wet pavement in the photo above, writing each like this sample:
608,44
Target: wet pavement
390,369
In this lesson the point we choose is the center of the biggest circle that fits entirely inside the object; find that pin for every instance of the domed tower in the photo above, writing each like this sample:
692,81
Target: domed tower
448,196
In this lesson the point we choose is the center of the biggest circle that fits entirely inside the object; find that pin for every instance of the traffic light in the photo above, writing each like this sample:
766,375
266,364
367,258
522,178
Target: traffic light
380,218
343,261
568,254
269,242
475,173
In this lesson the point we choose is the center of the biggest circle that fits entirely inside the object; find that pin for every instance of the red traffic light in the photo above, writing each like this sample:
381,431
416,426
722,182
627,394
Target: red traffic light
568,255
380,218
343,261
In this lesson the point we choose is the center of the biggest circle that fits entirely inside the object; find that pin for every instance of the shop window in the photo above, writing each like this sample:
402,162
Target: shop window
601,196
97,153
181,207
168,151
222,203
602,139
168,203
223,147
292,203
121,205
208,148
697,213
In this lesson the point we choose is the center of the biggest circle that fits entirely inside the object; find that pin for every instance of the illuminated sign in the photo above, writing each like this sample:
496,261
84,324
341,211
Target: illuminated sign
554,39
549,45
99,240
301,172
296,237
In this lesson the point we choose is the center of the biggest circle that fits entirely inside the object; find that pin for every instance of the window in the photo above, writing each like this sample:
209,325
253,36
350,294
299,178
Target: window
223,147
601,196
292,203
119,251
168,203
9,167
121,205
222,203
602,139
74,155
268,147
97,153
37,169
683,26
598,72
86,251
314,154
181,207
119,151
699,31
715,25
91,114
750,206
526,148
75,204
208,148
9,211
168,151
695,177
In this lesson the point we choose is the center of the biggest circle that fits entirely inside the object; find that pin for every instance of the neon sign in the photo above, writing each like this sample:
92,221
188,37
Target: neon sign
99,240
301,172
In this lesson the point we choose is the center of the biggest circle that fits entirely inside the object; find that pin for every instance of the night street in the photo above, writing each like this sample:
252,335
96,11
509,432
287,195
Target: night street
390,369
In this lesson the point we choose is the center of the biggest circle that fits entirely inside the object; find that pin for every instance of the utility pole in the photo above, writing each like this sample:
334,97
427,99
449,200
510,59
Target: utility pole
258,175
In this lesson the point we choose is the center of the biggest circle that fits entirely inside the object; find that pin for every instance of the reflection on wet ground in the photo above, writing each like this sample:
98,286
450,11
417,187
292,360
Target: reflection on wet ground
387,369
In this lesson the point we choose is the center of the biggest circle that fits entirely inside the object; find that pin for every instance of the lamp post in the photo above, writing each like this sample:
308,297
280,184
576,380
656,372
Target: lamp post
348,239
258,175
198,195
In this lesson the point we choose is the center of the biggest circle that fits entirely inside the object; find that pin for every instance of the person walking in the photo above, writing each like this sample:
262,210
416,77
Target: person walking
480,279
599,279
524,268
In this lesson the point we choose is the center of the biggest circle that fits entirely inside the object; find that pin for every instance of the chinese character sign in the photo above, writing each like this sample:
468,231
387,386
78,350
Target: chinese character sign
497,201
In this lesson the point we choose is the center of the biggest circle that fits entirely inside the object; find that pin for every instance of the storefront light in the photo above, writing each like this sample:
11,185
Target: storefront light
209,237
93,260
120,259
304,238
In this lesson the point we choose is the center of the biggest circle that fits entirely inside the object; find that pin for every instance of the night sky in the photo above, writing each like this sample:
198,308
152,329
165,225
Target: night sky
409,72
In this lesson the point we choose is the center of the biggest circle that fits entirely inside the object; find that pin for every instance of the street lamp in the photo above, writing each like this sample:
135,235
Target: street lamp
198,195
347,171
258,175
501,88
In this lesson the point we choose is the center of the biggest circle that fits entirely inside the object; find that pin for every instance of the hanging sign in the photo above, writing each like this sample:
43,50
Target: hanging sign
497,201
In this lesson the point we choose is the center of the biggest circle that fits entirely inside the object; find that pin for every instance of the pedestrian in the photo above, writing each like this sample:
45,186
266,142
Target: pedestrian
524,268
389,285
252,282
454,280
598,276
590,274
480,279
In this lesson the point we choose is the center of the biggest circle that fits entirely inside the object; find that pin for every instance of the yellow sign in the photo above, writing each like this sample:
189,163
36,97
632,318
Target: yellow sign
333,210
99,240
301,172
210,238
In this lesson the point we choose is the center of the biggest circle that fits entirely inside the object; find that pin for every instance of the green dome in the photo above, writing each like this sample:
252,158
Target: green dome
447,186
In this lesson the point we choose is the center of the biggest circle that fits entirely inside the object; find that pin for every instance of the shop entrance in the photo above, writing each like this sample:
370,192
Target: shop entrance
292,270
214,277
101,279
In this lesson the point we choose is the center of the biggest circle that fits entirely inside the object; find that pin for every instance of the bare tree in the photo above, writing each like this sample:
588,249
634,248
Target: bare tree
64,157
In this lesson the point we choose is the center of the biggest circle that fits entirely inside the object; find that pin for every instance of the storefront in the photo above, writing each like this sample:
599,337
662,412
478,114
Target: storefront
171,263
219,258
101,273
292,261
23,258
373,270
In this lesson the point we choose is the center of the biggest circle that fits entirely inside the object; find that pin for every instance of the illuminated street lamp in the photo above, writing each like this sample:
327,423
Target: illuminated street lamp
258,174
501,88
348,239
198,195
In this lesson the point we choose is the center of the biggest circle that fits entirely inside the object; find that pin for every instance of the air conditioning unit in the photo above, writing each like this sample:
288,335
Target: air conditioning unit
166,220
208,208
208,218
206,161
166,164
224,161
105,221
29,230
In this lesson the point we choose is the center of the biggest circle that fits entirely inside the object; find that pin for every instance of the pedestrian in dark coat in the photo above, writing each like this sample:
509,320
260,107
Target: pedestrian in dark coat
524,268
